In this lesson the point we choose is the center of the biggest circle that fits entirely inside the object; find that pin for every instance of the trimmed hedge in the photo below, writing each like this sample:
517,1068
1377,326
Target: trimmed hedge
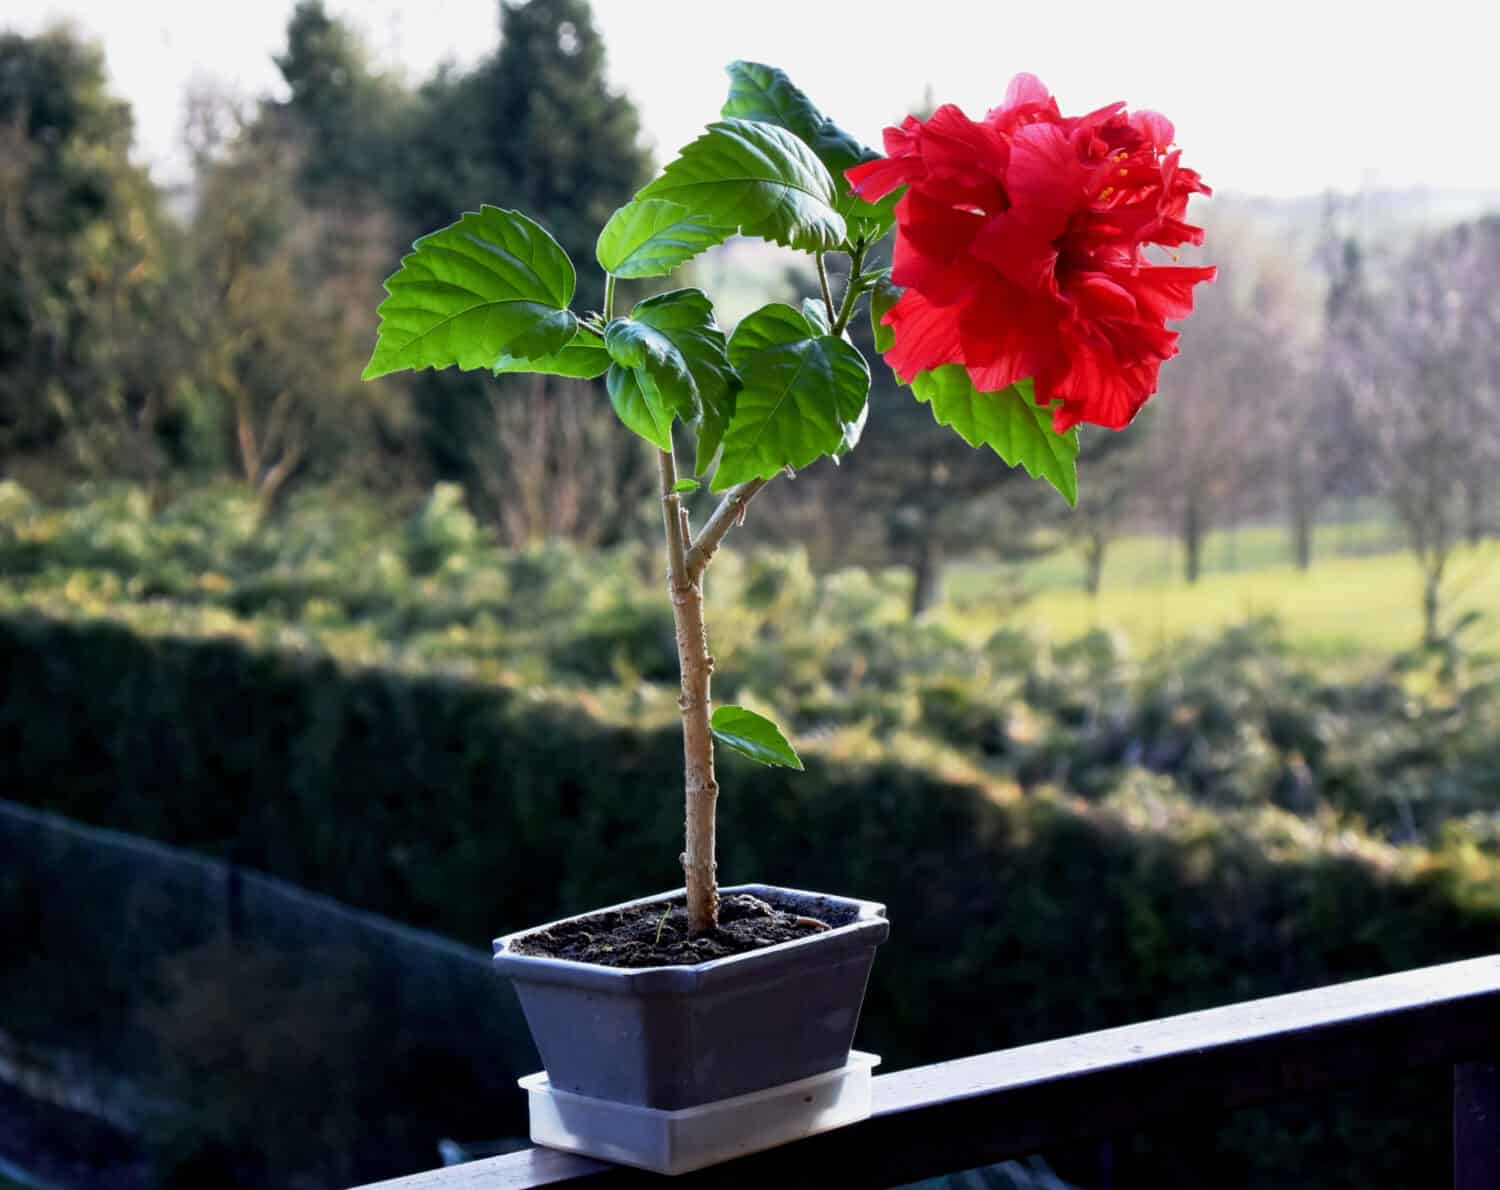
473,810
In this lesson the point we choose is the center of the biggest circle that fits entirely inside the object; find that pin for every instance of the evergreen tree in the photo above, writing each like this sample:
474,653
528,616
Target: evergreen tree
349,120
534,127
80,259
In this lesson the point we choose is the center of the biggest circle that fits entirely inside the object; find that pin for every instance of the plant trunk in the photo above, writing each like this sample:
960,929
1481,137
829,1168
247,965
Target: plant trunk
927,574
1192,542
696,665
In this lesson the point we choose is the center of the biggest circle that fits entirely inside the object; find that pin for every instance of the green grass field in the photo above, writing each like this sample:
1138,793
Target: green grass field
1344,607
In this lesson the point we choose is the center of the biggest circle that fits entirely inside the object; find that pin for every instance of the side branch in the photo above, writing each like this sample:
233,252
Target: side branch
731,511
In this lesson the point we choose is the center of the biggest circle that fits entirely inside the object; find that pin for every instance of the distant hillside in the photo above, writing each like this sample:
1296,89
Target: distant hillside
1389,216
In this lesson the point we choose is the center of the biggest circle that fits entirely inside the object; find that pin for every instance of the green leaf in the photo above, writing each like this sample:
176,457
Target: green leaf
882,297
802,395
652,236
1009,422
853,432
754,736
674,332
676,353
583,358
771,326
816,314
758,178
713,423
641,411
493,284
658,365
764,93
682,486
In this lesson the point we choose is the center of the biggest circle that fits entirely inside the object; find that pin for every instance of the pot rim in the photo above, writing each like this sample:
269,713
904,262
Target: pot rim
866,931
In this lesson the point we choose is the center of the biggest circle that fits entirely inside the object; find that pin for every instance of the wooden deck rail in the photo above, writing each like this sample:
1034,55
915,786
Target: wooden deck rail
936,1120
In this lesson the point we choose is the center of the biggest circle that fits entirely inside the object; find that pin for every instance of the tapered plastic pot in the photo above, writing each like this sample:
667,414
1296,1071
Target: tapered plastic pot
677,1037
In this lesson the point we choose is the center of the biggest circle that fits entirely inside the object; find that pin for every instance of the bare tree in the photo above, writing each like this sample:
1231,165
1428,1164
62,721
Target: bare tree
1115,469
555,465
1227,401
281,302
1419,362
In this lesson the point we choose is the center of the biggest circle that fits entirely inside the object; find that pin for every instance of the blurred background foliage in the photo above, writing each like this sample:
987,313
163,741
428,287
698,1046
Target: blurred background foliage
1231,728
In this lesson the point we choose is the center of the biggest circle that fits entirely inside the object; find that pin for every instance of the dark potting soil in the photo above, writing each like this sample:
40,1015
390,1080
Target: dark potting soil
638,937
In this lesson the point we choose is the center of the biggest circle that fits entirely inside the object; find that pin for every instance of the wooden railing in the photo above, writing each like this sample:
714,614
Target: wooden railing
936,1120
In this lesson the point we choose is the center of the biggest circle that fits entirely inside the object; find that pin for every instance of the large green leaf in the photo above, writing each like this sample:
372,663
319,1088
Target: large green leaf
713,422
758,178
676,353
801,398
775,325
754,736
764,93
1009,422
652,236
493,284
583,358
641,411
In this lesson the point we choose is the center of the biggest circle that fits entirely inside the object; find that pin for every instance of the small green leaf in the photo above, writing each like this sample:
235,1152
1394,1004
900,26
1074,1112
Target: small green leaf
641,411
583,358
816,314
853,432
764,93
754,736
802,395
493,284
758,178
1009,422
658,364
652,236
676,353
882,297
683,486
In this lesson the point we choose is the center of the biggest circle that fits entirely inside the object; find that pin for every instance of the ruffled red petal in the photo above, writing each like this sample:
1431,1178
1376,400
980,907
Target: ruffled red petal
927,336
1020,246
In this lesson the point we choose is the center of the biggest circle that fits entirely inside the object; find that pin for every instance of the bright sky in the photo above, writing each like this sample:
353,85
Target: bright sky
1276,97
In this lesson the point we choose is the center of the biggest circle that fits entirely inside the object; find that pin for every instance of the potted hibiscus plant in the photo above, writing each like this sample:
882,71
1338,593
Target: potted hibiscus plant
1020,303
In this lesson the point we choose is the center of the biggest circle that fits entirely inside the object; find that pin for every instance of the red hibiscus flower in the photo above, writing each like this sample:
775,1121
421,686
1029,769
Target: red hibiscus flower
1020,243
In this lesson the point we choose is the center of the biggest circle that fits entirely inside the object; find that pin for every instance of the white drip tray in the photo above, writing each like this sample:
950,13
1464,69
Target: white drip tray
674,1142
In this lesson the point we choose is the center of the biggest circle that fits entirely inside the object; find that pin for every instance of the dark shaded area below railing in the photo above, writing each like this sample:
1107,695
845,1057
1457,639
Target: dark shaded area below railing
936,1120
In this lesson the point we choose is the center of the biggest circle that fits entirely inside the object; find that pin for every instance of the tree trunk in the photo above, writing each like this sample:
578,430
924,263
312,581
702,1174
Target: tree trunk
1302,538
1475,528
1192,541
1093,564
1302,518
272,486
927,573
1432,584
702,790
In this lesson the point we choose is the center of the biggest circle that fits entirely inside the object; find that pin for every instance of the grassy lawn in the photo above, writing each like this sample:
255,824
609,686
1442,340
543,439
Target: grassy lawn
1150,559
1343,608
